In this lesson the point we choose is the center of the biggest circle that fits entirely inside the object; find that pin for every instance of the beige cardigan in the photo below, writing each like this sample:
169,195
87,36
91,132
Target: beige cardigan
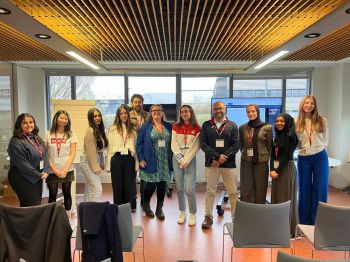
90,149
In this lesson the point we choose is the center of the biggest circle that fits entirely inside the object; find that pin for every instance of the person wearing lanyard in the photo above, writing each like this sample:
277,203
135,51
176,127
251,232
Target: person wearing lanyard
155,158
255,141
282,168
219,141
313,166
92,161
121,156
185,145
61,144
29,163
138,117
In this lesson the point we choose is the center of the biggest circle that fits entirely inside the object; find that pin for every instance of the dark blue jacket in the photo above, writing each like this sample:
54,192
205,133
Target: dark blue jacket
144,147
100,231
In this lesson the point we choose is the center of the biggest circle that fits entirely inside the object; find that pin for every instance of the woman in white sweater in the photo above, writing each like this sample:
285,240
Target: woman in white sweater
185,145
313,167
121,156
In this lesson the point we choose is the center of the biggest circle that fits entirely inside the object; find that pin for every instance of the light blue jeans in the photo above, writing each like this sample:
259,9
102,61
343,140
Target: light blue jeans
186,182
93,185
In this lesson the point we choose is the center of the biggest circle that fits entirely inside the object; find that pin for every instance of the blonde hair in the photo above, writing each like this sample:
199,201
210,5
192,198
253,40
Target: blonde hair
316,120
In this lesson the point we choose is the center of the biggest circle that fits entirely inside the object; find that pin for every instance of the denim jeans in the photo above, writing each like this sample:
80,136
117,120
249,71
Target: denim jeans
93,185
186,182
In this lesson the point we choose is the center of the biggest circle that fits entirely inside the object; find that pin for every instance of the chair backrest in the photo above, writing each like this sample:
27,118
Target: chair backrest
125,226
332,227
261,225
78,243
284,257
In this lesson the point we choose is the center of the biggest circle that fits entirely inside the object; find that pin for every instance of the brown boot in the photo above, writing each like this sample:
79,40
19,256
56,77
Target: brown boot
207,223
159,211
147,208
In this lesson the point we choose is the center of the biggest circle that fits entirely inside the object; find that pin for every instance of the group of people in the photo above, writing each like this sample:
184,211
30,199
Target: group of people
145,143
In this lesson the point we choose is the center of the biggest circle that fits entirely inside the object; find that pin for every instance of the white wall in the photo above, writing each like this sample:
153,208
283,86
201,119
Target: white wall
330,86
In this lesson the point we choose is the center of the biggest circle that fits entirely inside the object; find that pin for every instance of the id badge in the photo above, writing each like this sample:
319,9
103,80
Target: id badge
161,143
124,151
220,143
276,163
250,152
41,165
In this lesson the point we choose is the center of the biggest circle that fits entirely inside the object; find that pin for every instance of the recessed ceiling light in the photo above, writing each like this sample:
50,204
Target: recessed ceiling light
347,11
4,11
312,35
42,36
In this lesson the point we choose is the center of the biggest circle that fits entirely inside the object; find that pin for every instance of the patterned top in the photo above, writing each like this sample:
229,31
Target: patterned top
161,153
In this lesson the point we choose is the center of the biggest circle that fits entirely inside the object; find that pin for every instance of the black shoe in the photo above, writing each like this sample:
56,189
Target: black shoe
207,223
170,192
147,209
159,213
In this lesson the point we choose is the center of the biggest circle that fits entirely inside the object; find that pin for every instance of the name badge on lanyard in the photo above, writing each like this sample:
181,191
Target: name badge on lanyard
41,166
220,143
250,152
161,143
124,151
276,164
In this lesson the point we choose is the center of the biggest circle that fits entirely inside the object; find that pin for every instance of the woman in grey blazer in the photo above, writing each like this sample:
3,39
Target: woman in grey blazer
255,139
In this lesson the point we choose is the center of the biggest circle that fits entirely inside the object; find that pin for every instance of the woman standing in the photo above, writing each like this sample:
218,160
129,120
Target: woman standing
61,144
92,161
313,167
29,163
185,145
121,156
155,157
282,167
255,140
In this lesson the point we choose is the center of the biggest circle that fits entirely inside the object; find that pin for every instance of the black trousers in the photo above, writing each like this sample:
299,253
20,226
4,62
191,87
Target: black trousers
28,194
66,190
150,188
123,178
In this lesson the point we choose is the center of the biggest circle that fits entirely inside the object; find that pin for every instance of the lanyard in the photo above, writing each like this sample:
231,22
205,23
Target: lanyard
160,131
216,128
250,135
59,142
186,131
276,152
36,145
309,134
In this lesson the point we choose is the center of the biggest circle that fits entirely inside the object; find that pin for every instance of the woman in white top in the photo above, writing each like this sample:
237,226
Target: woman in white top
313,167
121,156
185,145
61,145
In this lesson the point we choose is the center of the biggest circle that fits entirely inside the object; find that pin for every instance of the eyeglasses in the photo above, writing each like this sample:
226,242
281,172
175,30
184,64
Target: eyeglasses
218,108
157,110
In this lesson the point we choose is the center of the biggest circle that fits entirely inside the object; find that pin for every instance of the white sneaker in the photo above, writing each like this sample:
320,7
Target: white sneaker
182,217
192,220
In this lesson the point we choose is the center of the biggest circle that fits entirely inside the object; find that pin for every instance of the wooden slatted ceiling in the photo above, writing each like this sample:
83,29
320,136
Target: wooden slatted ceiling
16,46
333,47
177,30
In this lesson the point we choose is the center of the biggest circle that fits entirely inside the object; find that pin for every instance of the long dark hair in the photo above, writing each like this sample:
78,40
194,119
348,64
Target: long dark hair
130,128
192,120
18,132
67,128
99,131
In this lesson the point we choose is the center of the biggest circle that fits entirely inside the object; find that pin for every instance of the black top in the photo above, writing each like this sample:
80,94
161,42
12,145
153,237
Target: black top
26,159
229,135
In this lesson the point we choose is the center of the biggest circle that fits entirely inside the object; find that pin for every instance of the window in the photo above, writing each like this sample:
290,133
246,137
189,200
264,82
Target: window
296,89
155,90
257,88
5,118
60,87
107,91
198,91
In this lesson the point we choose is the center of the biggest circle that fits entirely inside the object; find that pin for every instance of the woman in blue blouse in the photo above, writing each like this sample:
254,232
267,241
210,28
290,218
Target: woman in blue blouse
155,157
29,164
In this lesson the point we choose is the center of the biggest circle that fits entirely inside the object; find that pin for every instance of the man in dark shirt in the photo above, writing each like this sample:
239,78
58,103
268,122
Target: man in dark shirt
219,141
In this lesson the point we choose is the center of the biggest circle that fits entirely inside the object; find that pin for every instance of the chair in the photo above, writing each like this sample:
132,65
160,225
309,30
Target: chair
331,230
284,257
129,233
259,226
